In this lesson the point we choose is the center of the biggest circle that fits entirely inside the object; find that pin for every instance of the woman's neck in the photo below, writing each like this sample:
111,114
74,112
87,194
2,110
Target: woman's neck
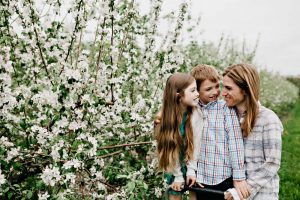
241,109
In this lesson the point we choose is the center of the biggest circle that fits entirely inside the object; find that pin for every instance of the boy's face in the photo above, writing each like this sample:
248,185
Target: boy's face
209,91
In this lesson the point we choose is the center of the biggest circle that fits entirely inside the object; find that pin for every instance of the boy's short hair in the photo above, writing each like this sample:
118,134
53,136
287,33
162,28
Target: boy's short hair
203,72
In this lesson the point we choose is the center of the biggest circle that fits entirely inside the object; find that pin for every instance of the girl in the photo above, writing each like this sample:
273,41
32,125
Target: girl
261,128
174,134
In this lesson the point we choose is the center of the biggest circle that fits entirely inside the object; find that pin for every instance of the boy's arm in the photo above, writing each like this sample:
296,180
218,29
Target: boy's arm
235,144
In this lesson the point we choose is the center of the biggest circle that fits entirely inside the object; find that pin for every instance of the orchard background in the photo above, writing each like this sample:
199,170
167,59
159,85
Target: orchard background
80,83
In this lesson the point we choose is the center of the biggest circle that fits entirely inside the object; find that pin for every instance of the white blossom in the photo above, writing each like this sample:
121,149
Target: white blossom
70,177
4,141
46,97
2,178
13,152
43,196
51,175
70,73
72,163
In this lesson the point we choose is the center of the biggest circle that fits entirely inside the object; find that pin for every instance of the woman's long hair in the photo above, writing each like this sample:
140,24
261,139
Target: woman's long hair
247,78
169,140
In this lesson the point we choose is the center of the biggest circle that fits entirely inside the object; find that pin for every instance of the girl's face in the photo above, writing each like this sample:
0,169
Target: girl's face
232,93
209,91
191,96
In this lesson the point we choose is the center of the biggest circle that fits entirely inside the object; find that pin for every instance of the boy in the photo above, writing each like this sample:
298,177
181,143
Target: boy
221,156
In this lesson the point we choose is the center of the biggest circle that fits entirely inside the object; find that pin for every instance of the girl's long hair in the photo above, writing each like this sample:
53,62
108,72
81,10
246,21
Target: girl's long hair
247,78
169,140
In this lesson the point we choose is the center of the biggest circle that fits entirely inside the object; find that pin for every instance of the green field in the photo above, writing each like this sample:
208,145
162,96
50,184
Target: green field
290,166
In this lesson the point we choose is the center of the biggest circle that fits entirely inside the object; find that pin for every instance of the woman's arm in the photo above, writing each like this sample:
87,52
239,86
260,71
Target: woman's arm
271,136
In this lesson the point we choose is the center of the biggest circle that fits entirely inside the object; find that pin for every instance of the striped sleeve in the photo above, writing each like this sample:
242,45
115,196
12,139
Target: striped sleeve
235,144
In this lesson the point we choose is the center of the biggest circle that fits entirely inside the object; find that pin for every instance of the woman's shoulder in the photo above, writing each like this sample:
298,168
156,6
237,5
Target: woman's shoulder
267,113
267,117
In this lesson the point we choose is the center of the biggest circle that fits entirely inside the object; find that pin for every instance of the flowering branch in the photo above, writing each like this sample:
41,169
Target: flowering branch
100,49
111,154
73,35
125,145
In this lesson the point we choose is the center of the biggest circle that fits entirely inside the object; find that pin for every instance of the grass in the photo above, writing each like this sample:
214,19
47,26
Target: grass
290,162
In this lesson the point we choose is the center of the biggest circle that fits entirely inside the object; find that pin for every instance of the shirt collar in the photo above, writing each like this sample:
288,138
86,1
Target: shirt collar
210,104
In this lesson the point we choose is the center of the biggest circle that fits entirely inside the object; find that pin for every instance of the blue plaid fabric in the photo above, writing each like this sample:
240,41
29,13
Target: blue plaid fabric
221,150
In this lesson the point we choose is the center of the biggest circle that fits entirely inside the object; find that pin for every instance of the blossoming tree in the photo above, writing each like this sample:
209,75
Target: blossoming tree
80,81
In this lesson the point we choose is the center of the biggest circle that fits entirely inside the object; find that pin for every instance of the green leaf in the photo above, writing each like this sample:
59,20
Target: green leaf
145,186
6,190
122,176
130,186
39,184
10,194
29,194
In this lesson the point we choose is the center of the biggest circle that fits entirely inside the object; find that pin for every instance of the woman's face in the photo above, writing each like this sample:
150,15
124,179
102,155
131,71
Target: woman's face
232,93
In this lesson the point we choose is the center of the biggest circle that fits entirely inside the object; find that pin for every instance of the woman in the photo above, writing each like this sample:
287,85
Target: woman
261,128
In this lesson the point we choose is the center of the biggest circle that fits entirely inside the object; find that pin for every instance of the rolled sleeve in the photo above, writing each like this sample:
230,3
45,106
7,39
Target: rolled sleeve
235,144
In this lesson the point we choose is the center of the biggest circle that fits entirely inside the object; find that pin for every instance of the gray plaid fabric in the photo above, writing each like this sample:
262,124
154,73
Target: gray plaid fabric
263,155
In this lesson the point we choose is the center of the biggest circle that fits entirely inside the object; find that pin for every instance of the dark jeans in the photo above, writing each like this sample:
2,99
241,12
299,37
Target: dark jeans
225,185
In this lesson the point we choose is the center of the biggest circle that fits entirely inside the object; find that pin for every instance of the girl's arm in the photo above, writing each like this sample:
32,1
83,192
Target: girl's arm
177,173
197,126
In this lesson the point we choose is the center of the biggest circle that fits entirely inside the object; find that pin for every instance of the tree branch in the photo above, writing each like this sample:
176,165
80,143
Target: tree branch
111,154
125,145
73,36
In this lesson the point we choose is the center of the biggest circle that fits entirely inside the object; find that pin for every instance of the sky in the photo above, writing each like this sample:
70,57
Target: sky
275,22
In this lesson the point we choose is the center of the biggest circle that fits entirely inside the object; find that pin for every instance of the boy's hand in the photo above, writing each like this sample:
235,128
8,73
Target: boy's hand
177,186
190,181
242,188
157,118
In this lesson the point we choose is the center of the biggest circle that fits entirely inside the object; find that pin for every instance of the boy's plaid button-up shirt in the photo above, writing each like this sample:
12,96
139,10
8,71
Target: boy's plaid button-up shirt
222,150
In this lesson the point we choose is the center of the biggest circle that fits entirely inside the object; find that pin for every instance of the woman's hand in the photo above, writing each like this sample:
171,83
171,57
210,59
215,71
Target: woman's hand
242,188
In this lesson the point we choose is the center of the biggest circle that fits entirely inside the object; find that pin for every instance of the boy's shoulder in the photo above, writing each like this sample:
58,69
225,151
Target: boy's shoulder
221,104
